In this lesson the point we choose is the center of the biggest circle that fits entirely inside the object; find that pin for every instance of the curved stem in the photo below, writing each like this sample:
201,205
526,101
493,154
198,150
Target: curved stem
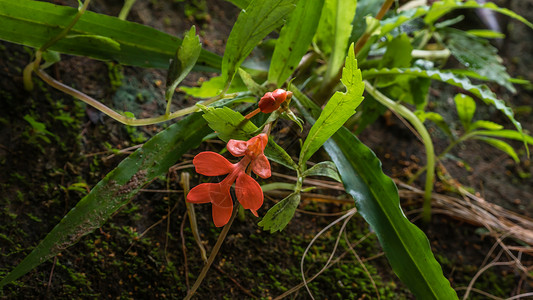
213,254
426,139
442,154
115,115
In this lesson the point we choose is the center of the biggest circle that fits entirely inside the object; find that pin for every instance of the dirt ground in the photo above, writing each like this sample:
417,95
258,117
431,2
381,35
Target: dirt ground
146,250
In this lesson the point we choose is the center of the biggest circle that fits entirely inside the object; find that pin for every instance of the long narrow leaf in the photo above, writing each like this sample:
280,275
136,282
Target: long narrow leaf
407,248
294,40
116,189
481,91
440,8
33,23
252,25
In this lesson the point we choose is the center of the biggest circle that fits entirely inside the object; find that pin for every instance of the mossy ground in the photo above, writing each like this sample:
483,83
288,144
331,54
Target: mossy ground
138,253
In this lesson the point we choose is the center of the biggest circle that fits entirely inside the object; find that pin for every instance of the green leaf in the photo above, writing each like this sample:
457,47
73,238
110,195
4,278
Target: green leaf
294,40
501,145
230,124
339,108
324,168
376,198
251,85
486,33
280,214
252,25
480,91
364,8
50,58
398,55
486,125
344,13
184,60
440,8
116,189
95,40
508,134
478,55
214,87
466,107
34,23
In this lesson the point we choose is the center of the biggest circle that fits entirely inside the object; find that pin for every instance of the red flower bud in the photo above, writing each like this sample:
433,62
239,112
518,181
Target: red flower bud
272,100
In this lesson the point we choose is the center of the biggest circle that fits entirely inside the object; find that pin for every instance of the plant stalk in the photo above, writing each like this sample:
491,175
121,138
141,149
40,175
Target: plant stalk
426,139
213,254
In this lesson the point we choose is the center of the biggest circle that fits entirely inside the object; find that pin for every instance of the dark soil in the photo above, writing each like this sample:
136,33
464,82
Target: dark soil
139,252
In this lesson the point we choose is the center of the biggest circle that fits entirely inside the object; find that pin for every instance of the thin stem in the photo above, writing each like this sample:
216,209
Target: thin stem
213,254
115,115
426,139
442,154
63,33
126,9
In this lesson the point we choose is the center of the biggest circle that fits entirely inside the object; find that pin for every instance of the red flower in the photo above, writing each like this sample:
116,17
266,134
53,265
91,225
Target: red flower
248,191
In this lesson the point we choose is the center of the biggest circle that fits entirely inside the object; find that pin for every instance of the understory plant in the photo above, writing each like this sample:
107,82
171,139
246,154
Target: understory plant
327,54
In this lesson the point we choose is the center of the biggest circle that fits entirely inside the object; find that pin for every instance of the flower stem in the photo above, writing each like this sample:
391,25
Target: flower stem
213,254
426,139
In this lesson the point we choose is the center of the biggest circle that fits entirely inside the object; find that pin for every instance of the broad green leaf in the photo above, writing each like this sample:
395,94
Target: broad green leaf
339,108
280,214
466,107
508,134
486,125
501,145
213,87
323,168
478,55
376,198
33,23
116,189
294,40
480,91
486,33
435,118
344,12
184,60
440,8
252,25
230,124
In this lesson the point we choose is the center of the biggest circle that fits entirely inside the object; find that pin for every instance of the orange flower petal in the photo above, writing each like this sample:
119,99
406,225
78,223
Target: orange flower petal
211,164
249,192
221,215
237,148
200,193
261,166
